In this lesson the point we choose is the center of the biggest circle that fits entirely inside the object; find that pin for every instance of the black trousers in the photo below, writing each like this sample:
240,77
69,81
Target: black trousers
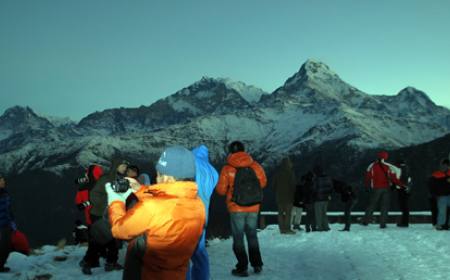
310,221
110,251
403,203
5,244
349,204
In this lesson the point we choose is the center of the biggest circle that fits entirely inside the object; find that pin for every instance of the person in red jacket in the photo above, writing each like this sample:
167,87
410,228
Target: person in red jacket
380,175
85,184
243,218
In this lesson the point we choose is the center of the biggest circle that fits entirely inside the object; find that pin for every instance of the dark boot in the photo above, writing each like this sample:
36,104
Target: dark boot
257,269
113,266
4,269
86,270
240,272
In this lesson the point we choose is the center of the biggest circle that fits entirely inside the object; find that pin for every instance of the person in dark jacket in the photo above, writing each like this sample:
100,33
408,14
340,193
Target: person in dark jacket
323,188
348,197
404,193
7,225
100,230
297,210
439,185
284,185
307,181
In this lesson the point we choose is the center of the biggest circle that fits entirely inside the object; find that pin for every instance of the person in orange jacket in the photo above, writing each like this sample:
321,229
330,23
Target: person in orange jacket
243,172
165,225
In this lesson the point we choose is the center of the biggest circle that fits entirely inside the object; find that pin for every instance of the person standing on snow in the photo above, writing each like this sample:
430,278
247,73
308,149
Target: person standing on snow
348,197
299,205
323,188
307,181
166,223
380,175
284,186
404,193
240,174
100,237
206,178
439,185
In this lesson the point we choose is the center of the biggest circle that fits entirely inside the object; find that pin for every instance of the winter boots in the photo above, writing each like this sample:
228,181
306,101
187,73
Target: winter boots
113,266
240,272
4,269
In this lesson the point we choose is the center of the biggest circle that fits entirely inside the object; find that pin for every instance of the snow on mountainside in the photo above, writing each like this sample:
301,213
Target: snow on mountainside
416,253
312,107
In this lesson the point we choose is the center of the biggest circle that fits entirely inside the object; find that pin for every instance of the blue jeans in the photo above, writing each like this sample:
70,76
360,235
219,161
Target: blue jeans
245,223
200,262
443,202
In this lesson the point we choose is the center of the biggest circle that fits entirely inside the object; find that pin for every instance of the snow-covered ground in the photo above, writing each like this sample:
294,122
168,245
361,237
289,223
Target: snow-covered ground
418,252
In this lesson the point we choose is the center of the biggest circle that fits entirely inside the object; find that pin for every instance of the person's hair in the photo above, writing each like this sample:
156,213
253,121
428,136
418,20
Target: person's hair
235,147
445,161
135,169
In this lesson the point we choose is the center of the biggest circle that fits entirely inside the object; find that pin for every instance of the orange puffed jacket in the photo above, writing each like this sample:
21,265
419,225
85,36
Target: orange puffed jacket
225,186
169,217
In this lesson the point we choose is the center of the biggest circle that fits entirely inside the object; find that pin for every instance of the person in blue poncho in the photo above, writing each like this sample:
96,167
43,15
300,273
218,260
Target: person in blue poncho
206,178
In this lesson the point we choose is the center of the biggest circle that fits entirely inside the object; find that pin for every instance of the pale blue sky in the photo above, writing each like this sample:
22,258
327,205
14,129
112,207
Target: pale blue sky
71,58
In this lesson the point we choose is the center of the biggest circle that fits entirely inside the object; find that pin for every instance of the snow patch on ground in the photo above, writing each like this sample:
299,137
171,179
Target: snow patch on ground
367,253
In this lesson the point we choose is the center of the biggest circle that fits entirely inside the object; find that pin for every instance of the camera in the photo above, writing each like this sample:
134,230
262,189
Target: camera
120,185
82,180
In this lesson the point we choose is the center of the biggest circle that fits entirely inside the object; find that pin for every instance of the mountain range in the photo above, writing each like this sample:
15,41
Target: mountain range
314,117
313,106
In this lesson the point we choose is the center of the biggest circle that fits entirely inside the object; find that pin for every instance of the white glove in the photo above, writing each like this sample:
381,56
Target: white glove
113,196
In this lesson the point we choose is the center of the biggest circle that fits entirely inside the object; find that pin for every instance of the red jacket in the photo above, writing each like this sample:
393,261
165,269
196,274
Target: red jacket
380,175
93,172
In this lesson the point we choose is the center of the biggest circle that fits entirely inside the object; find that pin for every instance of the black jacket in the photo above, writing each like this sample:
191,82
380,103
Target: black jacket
346,191
98,196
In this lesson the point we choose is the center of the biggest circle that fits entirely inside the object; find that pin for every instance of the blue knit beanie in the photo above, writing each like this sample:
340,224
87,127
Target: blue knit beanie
178,162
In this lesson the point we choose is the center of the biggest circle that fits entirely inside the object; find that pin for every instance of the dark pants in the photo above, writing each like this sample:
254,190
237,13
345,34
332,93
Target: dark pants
95,250
5,244
320,213
284,217
310,221
403,203
134,260
245,223
349,204
382,196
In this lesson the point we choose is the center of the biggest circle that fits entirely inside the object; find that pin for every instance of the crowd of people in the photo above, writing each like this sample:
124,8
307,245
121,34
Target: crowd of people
164,222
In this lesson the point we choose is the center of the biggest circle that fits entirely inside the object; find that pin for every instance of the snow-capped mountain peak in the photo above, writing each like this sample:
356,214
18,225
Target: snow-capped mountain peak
250,93
411,94
19,118
310,71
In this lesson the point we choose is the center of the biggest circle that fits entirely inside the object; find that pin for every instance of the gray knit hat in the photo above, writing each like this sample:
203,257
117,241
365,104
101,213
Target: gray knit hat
178,162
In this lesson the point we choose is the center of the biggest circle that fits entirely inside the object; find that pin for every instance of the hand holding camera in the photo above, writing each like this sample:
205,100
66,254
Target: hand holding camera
119,190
